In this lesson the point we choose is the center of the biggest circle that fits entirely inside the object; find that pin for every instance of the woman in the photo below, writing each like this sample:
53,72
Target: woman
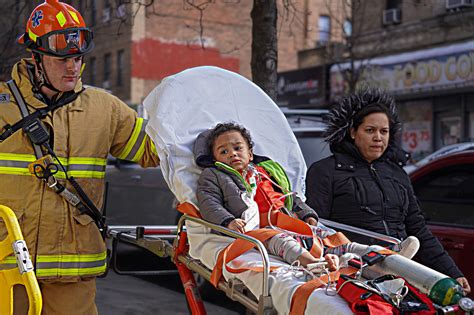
363,183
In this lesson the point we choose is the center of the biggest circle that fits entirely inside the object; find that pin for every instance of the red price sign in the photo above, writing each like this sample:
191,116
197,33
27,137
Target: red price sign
417,140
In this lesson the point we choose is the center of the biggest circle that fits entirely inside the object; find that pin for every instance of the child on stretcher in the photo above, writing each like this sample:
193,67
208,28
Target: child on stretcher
235,190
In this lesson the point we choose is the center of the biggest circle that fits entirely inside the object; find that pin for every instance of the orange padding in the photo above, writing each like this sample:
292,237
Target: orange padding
189,209
237,248
240,246
302,293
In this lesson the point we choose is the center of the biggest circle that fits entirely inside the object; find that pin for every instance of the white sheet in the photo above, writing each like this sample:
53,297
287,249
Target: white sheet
186,104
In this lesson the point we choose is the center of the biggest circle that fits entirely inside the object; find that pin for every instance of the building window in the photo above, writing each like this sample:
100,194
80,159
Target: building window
107,71
347,27
82,6
120,57
93,12
93,71
393,4
324,28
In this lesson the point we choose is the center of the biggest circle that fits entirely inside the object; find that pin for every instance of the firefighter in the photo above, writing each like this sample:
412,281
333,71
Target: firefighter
52,163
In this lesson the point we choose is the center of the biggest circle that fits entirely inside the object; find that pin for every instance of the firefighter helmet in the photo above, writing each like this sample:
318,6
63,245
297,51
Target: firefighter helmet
57,29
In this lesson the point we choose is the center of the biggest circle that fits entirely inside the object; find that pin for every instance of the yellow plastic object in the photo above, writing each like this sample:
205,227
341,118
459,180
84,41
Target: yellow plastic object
14,245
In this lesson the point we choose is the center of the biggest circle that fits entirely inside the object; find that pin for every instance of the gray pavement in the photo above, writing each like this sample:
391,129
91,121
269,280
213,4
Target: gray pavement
129,295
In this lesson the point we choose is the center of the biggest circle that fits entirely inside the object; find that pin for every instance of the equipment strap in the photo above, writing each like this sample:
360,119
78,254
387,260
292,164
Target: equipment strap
86,207
24,113
27,117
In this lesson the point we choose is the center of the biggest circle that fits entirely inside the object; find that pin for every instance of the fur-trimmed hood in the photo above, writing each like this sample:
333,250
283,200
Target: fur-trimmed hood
342,113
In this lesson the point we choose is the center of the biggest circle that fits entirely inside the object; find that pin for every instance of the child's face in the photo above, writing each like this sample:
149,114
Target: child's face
232,149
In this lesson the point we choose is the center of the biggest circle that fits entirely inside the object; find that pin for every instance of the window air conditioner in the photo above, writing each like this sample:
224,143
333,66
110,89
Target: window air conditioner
457,4
392,16
106,15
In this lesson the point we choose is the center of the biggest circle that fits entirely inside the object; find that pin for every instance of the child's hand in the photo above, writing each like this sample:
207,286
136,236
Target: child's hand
333,261
311,221
237,225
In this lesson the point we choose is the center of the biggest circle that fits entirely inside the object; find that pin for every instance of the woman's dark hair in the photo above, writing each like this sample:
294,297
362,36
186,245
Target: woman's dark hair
225,127
350,111
371,109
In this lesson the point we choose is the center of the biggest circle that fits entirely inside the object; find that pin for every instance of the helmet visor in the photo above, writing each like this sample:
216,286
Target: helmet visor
67,42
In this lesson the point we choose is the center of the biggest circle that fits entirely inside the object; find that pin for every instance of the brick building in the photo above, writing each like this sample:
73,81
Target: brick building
137,46
133,55
423,53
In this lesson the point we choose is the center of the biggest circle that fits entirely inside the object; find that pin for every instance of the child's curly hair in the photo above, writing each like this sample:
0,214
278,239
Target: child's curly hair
225,127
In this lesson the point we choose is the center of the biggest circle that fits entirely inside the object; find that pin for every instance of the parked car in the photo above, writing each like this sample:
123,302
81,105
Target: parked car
308,127
457,147
445,189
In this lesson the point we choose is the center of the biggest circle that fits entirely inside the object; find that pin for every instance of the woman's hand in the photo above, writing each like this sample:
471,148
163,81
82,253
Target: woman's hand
464,284
237,225
311,221
333,261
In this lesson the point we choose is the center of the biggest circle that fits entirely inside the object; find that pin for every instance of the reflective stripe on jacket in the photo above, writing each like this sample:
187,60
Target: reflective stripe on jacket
65,244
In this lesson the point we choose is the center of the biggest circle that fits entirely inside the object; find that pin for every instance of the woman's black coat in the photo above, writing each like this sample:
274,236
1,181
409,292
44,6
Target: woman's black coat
376,196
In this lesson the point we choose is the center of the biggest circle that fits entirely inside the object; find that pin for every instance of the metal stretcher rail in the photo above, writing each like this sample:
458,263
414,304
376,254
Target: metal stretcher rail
382,237
156,239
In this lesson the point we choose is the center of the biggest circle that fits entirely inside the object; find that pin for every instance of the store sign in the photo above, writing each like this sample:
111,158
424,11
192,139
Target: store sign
302,88
445,67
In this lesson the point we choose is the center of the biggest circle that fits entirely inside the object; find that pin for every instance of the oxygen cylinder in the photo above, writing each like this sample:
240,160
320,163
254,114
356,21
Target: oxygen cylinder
440,288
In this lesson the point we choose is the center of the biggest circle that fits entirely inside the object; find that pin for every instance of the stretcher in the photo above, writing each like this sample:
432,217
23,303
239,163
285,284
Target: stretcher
180,108
21,271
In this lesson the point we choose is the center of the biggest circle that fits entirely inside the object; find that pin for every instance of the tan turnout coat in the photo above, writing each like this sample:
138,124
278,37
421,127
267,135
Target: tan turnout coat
64,244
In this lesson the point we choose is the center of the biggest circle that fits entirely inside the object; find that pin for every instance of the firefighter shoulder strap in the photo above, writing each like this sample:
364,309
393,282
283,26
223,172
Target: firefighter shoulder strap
38,136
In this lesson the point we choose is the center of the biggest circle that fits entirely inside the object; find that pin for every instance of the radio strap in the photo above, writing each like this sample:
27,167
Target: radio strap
86,207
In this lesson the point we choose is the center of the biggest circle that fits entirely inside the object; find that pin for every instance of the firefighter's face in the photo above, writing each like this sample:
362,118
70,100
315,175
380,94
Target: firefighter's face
63,73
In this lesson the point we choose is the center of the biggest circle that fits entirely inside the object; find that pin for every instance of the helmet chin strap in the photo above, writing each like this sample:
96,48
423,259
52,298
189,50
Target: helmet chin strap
41,78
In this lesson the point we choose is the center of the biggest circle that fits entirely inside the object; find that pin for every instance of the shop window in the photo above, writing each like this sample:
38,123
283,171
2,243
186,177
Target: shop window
450,129
324,29
417,130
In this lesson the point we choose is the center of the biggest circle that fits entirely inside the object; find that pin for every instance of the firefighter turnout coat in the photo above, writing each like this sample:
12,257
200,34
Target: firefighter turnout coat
64,244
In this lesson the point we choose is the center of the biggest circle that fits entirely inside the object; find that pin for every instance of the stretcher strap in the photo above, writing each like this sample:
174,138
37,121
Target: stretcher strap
240,246
295,225
189,209
237,248
303,292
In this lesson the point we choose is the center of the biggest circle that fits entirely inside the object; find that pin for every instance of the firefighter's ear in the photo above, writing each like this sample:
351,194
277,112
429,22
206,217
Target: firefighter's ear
251,155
